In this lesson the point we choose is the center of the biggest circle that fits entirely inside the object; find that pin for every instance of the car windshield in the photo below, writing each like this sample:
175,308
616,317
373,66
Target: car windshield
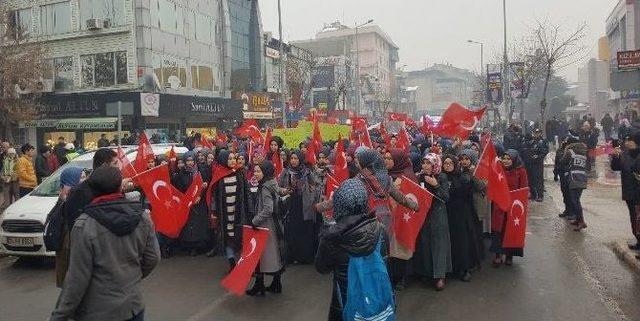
50,187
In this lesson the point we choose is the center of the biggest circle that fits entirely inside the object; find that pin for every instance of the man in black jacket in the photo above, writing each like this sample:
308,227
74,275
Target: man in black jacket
537,150
625,161
42,165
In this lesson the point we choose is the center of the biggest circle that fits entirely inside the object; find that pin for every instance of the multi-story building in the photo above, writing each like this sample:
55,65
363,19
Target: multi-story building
171,64
438,86
623,34
373,52
593,85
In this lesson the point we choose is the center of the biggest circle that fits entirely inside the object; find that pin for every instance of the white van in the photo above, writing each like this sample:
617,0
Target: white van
22,223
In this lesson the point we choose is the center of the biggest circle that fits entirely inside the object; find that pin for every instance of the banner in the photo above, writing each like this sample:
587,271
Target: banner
494,88
292,137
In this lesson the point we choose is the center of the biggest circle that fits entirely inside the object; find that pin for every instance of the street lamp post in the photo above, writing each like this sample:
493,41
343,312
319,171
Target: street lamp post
359,87
281,68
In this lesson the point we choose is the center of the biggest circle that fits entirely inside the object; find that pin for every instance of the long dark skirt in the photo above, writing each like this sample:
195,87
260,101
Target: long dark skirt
464,239
301,236
196,234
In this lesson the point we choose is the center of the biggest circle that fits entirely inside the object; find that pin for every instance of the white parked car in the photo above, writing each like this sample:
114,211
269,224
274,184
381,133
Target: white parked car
22,223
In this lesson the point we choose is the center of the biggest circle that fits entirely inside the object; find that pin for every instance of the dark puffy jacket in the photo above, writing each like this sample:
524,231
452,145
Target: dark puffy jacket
625,163
575,160
537,150
352,235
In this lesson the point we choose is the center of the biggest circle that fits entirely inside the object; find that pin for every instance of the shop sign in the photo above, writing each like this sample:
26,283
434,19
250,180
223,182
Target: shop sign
150,104
494,88
180,106
87,123
272,53
630,94
40,123
628,60
70,106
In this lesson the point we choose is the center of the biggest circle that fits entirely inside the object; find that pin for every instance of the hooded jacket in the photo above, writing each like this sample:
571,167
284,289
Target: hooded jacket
114,247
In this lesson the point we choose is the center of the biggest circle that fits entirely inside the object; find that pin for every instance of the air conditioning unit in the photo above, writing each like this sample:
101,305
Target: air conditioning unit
107,23
95,24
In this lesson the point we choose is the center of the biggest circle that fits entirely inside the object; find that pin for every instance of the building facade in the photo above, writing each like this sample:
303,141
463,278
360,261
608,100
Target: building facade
172,64
374,54
438,86
594,86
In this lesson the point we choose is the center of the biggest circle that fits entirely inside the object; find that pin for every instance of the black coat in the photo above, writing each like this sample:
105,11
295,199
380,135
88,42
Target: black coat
355,235
78,199
42,167
625,164
463,223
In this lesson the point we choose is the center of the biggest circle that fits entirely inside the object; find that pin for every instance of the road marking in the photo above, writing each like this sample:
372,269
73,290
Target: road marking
210,309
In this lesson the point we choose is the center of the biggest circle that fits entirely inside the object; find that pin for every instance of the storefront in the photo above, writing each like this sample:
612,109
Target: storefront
84,117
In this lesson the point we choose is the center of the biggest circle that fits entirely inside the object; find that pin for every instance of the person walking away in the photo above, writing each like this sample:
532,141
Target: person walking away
432,259
60,151
462,219
103,141
113,248
26,172
575,159
516,176
607,126
354,233
10,187
589,136
42,163
625,162
537,152
559,171
69,178
268,216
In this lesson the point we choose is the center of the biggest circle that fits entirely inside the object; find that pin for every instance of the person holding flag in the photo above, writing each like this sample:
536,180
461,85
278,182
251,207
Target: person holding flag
432,258
230,204
516,176
195,235
268,215
462,219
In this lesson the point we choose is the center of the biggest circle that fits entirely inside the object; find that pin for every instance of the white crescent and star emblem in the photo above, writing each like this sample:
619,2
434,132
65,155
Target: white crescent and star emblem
495,167
254,244
407,216
473,126
156,186
517,203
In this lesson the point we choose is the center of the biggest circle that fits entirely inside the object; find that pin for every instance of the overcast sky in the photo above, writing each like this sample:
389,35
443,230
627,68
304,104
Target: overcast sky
436,31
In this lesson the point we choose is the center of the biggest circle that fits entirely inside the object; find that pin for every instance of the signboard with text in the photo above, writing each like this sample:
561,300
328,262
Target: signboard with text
629,60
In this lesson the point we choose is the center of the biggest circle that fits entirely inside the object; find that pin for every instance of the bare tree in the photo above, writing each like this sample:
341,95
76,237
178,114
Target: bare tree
22,68
299,71
557,50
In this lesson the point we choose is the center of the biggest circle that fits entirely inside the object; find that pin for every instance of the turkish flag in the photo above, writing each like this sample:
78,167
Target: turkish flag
127,169
171,154
384,134
397,116
250,129
458,121
267,142
144,155
427,125
407,222
490,169
600,150
219,172
169,211
254,242
310,157
331,186
516,222
221,137
206,143
340,170
410,122
359,126
484,140
194,191
403,139
316,137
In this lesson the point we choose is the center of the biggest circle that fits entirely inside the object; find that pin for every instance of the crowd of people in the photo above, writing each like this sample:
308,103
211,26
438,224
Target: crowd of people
279,189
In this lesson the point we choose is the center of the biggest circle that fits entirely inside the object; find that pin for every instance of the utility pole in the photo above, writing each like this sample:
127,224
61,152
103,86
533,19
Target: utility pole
505,68
281,68
359,86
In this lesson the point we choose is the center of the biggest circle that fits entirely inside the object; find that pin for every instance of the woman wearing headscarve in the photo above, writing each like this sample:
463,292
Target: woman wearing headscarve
268,216
432,259
195,236
462,229
304,188
69,178
356,232
516,176
230,204
468,159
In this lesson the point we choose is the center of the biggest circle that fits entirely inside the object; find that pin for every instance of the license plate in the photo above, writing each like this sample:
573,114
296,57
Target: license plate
20,241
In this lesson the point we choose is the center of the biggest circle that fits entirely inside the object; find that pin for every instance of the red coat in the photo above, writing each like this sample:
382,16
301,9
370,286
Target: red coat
517,179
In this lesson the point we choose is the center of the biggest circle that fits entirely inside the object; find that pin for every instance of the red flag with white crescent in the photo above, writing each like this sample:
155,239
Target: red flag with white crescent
404,141
459,121
515,229
407,222
427,125
144,155
254,242
331,186
359,125
277,163
219,172
169,211
384,134
267,142
316,137
340,170
250,129
489,168
397,116
126,168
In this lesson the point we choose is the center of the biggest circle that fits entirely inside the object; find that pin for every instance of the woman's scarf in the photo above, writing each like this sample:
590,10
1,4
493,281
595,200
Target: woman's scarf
401,165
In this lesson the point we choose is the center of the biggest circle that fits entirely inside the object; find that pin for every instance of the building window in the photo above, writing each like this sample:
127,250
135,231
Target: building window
61,72
202,78
203,28
167,16
112,10
171,72
19,23
104,70
55,18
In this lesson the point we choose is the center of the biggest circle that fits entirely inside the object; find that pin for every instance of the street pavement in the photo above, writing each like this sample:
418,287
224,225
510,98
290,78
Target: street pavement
565,275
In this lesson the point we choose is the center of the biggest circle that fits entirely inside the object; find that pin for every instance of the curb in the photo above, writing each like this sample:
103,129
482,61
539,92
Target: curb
621,249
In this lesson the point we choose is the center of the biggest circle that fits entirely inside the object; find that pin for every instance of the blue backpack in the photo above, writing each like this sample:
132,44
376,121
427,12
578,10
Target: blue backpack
369,294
